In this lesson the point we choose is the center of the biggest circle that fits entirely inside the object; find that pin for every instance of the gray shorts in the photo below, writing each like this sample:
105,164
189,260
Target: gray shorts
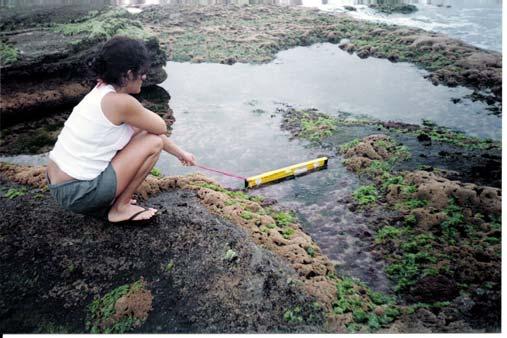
92,197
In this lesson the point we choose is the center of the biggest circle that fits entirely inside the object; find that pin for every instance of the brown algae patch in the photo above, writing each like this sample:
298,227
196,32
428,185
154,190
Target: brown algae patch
255,33
33,137
120,310
39,136
26,175
274,230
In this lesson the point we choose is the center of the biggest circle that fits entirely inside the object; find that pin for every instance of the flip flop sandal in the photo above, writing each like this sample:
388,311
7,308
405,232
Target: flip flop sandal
131,220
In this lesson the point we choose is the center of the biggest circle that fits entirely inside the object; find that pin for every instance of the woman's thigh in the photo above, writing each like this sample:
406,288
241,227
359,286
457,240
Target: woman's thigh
128,161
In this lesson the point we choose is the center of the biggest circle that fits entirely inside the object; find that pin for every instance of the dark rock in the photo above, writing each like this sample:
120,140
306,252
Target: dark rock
393,57
424,138
394,8
54,267
363,53
432,289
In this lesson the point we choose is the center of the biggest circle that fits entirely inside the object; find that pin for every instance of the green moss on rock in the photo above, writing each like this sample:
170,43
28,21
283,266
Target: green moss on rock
103,26
115,313
8,54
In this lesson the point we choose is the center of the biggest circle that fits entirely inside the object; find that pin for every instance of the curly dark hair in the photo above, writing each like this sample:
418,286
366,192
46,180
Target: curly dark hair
117,56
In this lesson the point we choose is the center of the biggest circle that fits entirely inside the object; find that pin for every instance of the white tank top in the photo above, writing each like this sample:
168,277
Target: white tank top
88,141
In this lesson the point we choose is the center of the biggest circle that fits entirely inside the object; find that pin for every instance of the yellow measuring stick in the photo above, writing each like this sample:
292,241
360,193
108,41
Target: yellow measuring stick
283,173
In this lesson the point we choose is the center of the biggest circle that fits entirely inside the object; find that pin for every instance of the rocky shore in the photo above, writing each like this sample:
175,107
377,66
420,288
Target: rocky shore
45,51
216,260
252,269
440,236
255,33
202,274
45,55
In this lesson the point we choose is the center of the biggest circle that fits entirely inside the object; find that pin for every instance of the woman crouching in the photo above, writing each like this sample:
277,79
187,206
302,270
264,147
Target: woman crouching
110,142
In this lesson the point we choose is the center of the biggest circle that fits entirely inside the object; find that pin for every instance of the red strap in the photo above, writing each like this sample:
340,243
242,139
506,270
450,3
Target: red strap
220,172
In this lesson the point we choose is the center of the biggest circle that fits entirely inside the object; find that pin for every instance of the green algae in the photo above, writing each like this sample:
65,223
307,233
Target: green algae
247,215
156,172
95,26
389,233
349,145
311,125
388,180
283,218
288,232
410,219
52,328
410,203
455,218
230,255
318,129
417,255
366,195
315,126
371,310
169,267
309,313
8,54
294,315
102,310
13,193
428,128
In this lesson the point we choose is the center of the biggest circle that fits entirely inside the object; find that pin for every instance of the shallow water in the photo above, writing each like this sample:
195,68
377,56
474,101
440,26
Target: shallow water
324,77
226,116
477,22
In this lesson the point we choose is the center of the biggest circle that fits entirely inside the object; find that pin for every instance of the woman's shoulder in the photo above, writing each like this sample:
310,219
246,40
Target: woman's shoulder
119,100
116,105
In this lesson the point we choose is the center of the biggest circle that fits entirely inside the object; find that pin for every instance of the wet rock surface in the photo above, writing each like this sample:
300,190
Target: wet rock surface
394,8
60,261
49,70
39,136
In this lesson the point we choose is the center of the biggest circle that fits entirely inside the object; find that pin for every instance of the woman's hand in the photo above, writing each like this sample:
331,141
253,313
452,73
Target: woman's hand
187,159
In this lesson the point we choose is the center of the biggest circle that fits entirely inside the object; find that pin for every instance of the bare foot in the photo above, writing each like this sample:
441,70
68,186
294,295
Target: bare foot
126,211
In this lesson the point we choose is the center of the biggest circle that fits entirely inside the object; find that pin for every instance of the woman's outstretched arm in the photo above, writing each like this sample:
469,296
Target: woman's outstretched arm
185,157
